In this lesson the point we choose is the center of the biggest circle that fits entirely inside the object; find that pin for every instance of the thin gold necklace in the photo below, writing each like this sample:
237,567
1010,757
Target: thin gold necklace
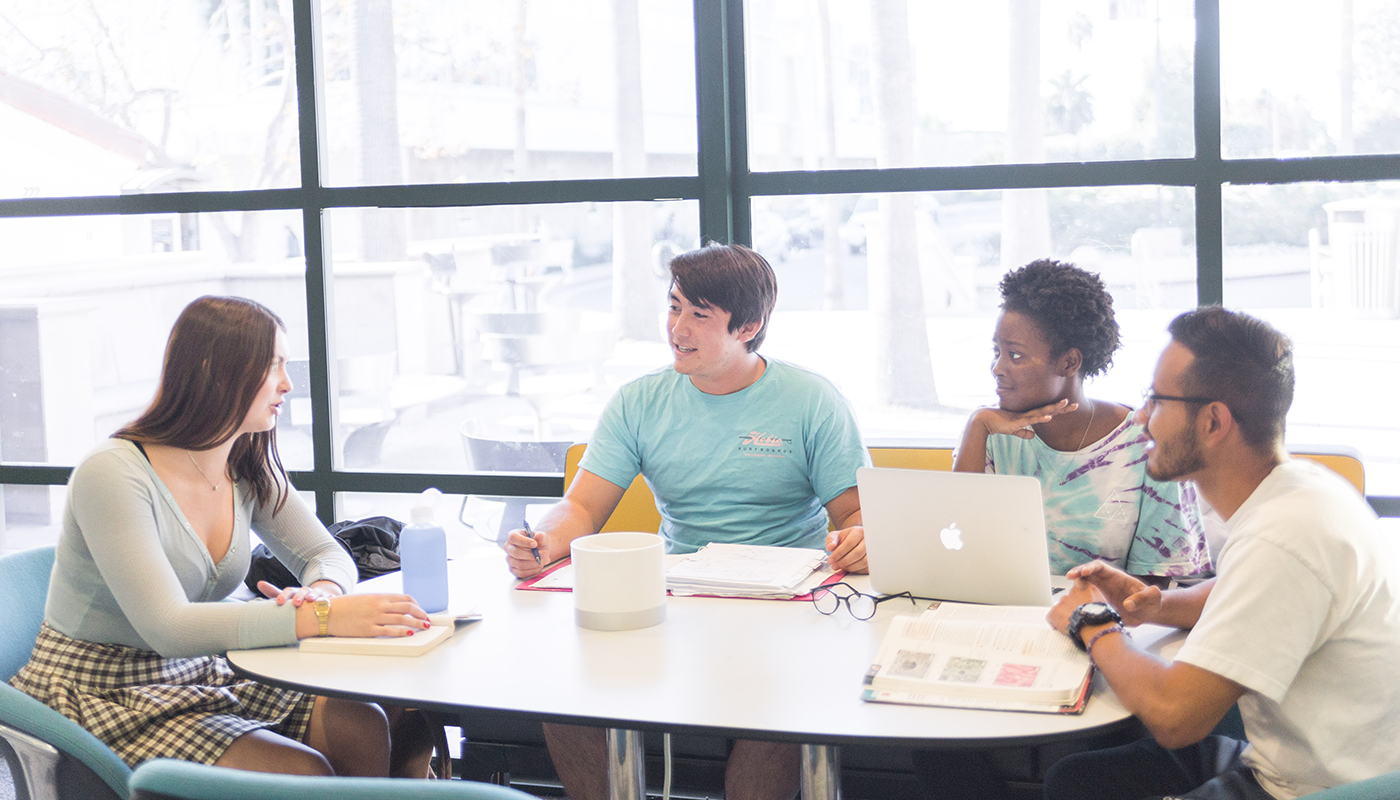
213,487
1093,409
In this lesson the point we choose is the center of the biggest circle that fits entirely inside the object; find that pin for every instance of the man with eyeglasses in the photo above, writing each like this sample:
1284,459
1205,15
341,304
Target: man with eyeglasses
1301,626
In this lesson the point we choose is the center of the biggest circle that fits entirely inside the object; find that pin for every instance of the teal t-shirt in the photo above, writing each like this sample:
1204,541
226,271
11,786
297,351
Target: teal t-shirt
1100,504
753,467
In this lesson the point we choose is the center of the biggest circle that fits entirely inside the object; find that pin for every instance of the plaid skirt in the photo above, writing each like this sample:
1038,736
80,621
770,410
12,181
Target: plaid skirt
144,706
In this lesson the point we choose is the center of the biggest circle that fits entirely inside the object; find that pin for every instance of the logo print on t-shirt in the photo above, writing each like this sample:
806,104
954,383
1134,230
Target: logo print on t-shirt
1122,506
764,445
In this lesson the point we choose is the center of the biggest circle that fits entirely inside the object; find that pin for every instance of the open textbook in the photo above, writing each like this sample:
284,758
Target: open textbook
444,624
972,656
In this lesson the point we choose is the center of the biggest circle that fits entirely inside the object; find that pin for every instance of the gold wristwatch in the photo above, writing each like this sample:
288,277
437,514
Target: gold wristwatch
323,616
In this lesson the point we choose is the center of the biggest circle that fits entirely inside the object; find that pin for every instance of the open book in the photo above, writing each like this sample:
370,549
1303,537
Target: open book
970,656
444,623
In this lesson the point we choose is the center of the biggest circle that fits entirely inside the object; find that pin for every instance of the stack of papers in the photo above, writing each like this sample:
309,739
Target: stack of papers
748,570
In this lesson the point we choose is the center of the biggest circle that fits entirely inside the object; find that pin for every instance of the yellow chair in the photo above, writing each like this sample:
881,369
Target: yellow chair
935,458
637,509
1342,460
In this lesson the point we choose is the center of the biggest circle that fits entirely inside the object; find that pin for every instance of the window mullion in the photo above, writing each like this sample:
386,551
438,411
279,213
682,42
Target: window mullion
740,203
1210,225
712,98
320,297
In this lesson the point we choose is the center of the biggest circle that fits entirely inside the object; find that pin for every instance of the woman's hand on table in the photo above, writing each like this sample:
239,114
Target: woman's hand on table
296,595
377,615
366,615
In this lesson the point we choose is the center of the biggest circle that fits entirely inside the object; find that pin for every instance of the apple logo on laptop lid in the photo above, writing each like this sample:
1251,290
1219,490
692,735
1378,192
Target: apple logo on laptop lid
951,537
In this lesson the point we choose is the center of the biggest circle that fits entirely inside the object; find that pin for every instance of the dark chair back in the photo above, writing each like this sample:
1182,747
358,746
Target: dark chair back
499,455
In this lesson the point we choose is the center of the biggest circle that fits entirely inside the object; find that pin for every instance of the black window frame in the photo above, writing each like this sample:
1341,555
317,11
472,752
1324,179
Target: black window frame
723,186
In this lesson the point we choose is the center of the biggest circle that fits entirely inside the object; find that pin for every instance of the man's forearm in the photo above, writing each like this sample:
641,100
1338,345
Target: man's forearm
566,521
1178,703
1181,608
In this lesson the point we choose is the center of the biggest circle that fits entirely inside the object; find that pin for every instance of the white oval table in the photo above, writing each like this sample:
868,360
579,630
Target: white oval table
756,669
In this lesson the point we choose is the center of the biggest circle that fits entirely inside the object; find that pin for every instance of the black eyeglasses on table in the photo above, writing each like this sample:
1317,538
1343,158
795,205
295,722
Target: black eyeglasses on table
827,599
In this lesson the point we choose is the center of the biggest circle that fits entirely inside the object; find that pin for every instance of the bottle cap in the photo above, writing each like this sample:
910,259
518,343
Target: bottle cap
422,513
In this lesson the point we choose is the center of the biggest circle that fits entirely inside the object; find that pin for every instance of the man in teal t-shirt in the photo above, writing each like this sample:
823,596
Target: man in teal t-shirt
736,448
754,467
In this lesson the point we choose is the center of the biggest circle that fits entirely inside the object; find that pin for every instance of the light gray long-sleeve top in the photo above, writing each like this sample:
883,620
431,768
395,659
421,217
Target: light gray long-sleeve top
131,570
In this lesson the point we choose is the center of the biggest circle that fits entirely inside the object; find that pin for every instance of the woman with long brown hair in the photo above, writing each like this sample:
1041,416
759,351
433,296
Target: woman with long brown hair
156,534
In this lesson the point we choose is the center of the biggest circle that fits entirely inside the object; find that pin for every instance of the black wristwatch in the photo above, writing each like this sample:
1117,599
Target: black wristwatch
1090,614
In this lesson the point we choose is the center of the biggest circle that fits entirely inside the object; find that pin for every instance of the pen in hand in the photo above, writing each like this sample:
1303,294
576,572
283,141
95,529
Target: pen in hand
534,551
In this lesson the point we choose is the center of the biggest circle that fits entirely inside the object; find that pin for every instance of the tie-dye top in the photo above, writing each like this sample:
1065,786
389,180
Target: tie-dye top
1100,504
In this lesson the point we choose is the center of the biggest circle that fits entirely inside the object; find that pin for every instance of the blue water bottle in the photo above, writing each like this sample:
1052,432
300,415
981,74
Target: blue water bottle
423,556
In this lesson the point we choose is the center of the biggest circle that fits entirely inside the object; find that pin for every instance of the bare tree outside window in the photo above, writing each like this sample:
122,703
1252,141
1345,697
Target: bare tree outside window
834,293
904,371
634,297
383,231
1025,215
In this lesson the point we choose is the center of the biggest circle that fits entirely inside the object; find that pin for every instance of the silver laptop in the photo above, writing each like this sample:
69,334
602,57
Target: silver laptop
961,536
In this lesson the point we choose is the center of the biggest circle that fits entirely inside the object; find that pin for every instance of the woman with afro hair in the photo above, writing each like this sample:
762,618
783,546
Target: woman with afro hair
1056,329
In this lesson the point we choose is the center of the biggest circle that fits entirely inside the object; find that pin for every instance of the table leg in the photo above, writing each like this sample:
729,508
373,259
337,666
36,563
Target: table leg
821,772
627,778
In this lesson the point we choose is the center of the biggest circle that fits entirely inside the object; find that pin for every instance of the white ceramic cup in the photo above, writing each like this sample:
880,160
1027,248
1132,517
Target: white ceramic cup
619,581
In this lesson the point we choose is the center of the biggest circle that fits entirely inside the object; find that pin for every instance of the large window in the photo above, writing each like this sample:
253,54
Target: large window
863,83
421,91
834,256
498,325
463,211
1302,78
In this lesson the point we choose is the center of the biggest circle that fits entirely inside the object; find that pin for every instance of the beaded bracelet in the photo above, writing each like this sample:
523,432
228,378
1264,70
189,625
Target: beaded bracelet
1089,648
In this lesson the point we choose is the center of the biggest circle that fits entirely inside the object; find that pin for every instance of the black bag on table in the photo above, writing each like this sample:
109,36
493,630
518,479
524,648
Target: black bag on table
372,542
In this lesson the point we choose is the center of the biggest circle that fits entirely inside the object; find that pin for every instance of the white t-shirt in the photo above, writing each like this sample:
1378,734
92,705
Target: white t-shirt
1306,616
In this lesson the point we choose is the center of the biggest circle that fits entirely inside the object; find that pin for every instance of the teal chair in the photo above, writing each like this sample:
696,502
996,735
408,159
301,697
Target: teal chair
50,756
167,779
1381,787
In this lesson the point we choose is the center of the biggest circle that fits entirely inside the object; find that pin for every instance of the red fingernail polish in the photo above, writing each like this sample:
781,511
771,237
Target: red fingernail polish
410,633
